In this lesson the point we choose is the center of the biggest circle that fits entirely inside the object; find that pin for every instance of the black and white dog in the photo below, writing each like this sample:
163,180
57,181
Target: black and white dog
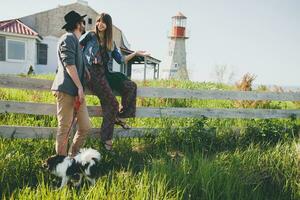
83,164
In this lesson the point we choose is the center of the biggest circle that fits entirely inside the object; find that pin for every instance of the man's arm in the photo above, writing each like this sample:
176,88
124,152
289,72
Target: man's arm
67,50
72,71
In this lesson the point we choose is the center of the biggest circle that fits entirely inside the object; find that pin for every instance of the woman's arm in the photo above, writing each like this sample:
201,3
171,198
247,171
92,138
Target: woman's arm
136,53
84,39
119,58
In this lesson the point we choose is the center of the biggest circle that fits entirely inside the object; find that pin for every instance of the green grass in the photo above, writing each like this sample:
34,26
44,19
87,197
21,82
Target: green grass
210,159
143,170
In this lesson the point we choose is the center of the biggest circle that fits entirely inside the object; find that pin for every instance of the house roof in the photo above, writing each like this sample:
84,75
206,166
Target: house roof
17,27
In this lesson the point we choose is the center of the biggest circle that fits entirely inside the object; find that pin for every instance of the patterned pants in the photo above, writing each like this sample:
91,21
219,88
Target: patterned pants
109,104
128,95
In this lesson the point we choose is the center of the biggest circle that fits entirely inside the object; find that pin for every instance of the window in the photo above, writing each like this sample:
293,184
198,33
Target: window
2,48
90,21
15,50
42,51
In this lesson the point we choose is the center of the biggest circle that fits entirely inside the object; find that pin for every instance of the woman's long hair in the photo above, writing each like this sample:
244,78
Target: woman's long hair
108,33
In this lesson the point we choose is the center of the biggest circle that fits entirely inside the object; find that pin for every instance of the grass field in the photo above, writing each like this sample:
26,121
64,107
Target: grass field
210,159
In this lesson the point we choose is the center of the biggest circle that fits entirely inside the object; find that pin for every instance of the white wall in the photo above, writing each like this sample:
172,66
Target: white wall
16,67
51,66
9,67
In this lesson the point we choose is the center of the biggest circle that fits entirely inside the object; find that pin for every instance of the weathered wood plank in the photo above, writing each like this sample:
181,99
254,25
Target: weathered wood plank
24,83
50,109
39,84
46,132
216,94
14,82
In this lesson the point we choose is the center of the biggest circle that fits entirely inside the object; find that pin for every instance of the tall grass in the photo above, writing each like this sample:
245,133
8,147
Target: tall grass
209,159
157,172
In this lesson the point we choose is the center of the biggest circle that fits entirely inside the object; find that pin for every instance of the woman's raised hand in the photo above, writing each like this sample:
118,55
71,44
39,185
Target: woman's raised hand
142,53
136,53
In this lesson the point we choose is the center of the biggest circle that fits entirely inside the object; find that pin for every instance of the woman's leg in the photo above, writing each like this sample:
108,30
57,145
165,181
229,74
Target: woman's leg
128,94
109,104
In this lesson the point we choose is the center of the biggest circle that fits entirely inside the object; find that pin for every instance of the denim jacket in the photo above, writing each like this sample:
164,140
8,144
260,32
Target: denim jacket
90,47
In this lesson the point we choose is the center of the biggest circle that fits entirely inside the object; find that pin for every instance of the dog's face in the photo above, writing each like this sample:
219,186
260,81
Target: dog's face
52,162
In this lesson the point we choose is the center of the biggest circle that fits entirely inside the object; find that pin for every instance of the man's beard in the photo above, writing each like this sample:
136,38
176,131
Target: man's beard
82,30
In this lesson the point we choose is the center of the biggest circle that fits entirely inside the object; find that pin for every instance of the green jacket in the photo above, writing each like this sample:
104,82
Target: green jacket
69,53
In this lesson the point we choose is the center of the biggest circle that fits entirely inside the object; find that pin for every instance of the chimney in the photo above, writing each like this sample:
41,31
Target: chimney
82,2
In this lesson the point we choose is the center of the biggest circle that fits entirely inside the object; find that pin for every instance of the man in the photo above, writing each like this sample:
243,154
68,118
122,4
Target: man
68,86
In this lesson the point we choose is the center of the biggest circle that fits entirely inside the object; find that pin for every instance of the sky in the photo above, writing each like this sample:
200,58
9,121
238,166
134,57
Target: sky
255,36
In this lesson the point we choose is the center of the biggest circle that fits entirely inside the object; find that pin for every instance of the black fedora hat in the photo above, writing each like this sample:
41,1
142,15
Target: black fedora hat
72,18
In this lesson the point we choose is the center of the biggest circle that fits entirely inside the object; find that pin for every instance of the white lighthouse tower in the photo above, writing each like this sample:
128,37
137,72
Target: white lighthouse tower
176,63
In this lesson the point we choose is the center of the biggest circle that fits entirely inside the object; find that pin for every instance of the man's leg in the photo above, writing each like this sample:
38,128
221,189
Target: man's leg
84,125
65,109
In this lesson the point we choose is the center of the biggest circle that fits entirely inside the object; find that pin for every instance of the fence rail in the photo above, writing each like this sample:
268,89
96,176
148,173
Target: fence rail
42,84
47,132
153,112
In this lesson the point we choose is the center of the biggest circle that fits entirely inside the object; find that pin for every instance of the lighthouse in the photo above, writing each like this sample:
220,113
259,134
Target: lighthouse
176,67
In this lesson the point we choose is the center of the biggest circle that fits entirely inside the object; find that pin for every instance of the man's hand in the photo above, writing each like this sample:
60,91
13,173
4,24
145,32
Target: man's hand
80,94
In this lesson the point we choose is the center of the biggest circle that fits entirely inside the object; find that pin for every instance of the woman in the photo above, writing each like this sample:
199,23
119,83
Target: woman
99,52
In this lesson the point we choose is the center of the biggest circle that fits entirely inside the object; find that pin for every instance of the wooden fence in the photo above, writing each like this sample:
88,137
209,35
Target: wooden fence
50,109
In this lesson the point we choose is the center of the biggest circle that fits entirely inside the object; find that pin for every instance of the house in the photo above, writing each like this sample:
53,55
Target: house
32,41
18,44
